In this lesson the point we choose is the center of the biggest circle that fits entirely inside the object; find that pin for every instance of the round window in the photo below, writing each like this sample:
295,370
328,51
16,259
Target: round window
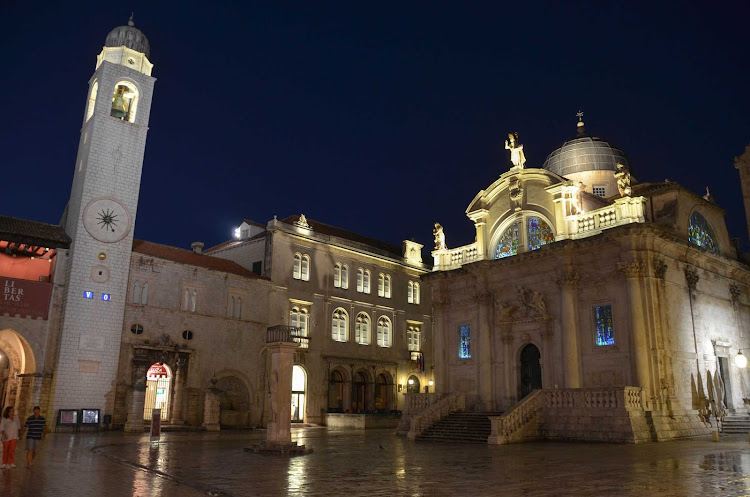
136,329
187,335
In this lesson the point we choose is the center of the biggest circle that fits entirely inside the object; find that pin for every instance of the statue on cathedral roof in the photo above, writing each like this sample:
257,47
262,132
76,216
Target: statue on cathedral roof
517,156
439,237
623,180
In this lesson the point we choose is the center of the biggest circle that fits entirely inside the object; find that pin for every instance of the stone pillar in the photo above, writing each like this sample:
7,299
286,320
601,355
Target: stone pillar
134,422
211,407
570,353
486,400
176,417
634,272
439,337
547,358
280,385
508,394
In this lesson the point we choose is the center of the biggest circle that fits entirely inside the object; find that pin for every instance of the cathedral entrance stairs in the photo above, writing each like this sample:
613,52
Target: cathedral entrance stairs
467,427
735,423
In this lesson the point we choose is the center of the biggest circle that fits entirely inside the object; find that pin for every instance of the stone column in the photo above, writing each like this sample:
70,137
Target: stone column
176,414
134,422
280,384
634,272
507,339
570,353
548,361
440,339
486,401
211,407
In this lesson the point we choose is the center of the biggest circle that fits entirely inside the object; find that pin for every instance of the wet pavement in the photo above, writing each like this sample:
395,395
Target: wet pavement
353,463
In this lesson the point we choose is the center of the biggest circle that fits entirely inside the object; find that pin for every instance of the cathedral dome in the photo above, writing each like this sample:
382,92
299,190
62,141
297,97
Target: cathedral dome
129,36
585,153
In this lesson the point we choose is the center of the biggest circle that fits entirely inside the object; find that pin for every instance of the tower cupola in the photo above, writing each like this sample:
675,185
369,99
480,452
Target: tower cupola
127,46
129,36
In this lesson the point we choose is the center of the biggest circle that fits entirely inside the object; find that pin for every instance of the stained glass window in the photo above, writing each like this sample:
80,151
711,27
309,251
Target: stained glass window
464,342
605,330
508,243
539,233
701,234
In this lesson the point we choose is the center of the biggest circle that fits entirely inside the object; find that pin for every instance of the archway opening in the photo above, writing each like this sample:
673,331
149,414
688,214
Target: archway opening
234,402
336,392
359,392
158,390
16,358
531,371
412,384
299,382
383,393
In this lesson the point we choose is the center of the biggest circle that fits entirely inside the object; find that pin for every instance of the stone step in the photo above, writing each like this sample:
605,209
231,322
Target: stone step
468,427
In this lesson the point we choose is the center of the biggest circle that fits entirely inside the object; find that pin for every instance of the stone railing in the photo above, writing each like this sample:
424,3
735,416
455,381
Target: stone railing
455,258
290,334
421,422
624,210
415,403
562,414
514,425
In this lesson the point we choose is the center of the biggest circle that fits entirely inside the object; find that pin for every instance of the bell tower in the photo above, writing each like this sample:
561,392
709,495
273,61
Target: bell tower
99,218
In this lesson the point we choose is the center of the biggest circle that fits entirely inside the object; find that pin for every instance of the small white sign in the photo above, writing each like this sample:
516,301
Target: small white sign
91,342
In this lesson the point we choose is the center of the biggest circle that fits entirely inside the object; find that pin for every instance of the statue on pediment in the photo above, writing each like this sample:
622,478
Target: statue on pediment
439,237
623,180
517,157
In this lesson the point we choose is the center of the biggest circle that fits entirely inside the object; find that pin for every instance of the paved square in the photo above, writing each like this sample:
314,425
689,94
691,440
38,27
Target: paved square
353,463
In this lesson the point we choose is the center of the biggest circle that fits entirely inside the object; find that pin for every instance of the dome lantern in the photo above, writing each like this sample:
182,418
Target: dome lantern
129,36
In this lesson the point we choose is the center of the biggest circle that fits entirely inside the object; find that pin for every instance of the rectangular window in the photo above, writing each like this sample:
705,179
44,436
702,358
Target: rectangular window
258,267
464,342
600,191
413,337
605,330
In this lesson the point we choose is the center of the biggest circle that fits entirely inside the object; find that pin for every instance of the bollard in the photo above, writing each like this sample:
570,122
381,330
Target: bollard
715,434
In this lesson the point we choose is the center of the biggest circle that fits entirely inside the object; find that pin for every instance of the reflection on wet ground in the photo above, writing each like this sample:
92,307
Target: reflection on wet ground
353,463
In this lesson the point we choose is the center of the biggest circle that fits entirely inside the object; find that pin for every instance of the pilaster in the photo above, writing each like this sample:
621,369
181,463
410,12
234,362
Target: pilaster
568,284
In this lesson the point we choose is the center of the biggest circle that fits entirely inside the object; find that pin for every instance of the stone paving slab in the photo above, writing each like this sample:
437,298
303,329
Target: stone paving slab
353,463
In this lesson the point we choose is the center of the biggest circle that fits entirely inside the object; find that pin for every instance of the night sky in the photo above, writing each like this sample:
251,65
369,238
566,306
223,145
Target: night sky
379,117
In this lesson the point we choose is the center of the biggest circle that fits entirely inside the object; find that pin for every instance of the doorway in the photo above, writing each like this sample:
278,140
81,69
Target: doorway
359,391
412,384
299,381
158,386
383,393
724,372
531,371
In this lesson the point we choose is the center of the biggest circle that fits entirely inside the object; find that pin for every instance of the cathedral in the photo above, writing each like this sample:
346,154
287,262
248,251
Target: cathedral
589,305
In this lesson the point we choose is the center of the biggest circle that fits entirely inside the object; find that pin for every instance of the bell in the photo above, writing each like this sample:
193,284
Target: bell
118,107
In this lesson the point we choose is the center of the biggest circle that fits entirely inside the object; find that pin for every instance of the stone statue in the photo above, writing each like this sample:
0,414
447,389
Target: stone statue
517,156
503,311
439,237
623,180
533,301
577,200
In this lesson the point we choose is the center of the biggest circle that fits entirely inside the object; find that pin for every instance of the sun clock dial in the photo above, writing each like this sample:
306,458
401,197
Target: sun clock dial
106,219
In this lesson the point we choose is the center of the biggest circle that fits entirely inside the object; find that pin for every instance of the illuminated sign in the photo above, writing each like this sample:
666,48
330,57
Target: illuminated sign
88,295
24,298
106,297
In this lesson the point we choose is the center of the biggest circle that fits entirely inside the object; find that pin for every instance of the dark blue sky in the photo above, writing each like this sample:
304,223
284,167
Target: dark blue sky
380,117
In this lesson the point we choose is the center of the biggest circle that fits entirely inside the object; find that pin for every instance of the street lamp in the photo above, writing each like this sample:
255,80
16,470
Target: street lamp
740,360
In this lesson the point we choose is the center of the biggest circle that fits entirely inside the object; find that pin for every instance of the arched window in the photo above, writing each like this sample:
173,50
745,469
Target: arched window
366,281
416,293
507,245
186,300
297,270
124,101
92,100
410,292
232,304
305,267
701,234
194,301
299,318
539,232
144,294
137,291
301,270
362,329
387,289
336,392
239,308
412,384
344,276
340,325
337,275
381,285
360,280
384,332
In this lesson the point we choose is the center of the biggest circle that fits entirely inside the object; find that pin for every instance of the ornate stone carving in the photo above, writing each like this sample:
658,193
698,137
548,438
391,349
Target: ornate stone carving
516,192
302,222
691,276
735,293
660,268
623,180
439,237
503,311
569,279
533,301
632,269
517,156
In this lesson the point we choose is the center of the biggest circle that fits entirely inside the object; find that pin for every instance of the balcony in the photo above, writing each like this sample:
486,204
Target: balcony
287,334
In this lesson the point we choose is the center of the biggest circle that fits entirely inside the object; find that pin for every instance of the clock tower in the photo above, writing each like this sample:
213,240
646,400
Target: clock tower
99,218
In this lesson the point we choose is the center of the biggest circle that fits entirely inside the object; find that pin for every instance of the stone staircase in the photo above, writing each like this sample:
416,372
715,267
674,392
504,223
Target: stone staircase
736,423
461,426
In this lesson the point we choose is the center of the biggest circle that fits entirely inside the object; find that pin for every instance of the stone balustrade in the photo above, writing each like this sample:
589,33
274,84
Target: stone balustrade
454,258
455,401
624,210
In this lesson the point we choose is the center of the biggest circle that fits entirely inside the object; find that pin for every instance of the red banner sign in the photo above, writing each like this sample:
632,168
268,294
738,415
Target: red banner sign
26,298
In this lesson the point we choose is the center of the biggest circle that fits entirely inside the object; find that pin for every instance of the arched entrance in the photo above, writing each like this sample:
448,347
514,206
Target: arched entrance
299,383
531,371
234,402
158,390
383,392
16,358
336,392
412,384
359,392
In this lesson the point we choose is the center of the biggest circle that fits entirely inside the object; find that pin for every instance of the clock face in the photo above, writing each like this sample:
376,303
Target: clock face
106,219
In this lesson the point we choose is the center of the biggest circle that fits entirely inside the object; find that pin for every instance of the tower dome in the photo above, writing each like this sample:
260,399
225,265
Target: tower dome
129,36
588,159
